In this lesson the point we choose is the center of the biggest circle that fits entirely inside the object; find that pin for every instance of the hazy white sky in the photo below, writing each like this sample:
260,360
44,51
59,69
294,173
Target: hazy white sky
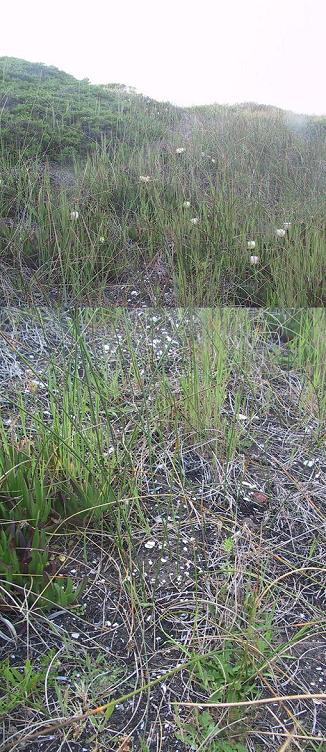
268,51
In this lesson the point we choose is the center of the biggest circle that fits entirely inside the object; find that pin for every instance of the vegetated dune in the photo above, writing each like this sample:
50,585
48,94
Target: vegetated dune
105,192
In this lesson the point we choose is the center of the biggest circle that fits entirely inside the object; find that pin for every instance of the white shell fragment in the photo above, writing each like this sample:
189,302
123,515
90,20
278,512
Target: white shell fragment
150,544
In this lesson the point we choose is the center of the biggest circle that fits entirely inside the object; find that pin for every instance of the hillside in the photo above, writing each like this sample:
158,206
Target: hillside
47,111
109,196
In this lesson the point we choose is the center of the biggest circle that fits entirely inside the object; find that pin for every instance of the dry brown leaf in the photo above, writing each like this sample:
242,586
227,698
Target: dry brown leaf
125,745
262,498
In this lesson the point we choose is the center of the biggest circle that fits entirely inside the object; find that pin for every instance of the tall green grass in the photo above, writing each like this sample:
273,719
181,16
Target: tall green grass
245,173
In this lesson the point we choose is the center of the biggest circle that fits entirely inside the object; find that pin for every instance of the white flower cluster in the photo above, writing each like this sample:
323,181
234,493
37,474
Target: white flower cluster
251,245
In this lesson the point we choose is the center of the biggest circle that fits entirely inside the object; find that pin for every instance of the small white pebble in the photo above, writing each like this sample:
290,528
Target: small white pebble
150,544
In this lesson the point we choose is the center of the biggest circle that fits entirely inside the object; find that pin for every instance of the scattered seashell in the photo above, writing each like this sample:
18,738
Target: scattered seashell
150,544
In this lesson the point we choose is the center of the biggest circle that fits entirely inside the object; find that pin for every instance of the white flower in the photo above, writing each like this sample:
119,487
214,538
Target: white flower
194,221
150,544
254,260
101,239
280,233
180,150
186,204
144,178
213,160
74,215
251,245
287,225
